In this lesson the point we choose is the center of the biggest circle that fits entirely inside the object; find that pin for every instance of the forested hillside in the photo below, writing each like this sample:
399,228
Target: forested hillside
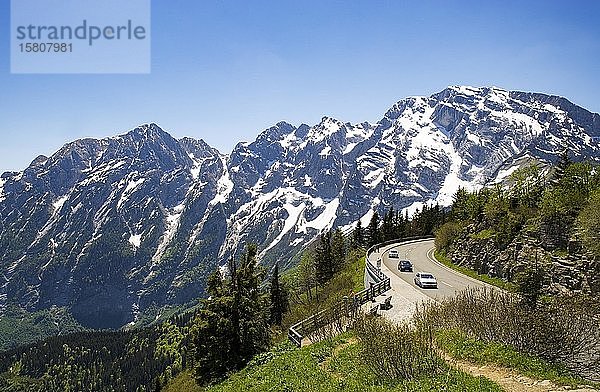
100,361
545,225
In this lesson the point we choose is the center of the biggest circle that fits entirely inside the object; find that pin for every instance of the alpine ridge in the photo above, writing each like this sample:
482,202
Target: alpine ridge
118,228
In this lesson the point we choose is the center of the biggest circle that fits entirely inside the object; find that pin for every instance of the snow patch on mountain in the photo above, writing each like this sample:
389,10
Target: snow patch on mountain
288,141
132,185
453,182
2,195
54,217
324,220
414,207
100,173
224,185
307,180
57,205
505,173
195,170
135,240
325,152
292,219
374,178
171,223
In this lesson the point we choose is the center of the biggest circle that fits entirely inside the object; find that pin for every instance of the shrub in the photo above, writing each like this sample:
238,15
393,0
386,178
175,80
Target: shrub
397,351
589,221
446,234
561,330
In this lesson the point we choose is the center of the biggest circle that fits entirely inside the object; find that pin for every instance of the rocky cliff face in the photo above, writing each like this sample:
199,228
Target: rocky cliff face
112,228
95,227
576,271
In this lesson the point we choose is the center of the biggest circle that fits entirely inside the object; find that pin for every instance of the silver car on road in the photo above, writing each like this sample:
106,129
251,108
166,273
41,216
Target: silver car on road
425,280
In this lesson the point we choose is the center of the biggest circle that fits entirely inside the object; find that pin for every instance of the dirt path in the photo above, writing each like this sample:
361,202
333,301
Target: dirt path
510,380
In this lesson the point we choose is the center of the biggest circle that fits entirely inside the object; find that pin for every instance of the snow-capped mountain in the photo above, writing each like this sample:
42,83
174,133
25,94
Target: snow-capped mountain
111,228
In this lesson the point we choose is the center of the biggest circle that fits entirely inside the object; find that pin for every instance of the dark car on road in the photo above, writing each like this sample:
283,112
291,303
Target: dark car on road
405,266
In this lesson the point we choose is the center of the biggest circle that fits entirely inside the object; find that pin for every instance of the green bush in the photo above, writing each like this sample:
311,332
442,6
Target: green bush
397,351
446,234
562,330
484,234
589,221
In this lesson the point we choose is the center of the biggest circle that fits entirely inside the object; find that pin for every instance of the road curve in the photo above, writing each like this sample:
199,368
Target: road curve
405,294
420,254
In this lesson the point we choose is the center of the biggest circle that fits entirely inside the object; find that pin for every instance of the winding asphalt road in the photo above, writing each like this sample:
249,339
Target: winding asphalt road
420,254
405,294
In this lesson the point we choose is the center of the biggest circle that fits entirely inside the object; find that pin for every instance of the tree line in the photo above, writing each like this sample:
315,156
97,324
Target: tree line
398,225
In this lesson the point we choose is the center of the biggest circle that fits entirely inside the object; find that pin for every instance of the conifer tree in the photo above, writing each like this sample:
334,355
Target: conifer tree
279,298
373,234
232,325
324,259
358,236
561,166
306,274
338,250
387,227
399,225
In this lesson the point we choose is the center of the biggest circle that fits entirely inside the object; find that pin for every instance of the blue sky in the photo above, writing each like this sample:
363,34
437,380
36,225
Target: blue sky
225,70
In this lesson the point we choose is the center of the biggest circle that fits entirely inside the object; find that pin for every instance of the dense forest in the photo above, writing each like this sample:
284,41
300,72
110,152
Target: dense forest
100,360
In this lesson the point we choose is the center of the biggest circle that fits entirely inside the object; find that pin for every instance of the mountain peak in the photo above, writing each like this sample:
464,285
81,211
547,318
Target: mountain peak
329,125
276,132
148,131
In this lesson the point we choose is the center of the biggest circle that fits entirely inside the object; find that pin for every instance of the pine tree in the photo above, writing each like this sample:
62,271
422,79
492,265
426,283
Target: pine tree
358,236
459,205
373,234
338,250
324,259
399,225
279,298
306,274
387,228
561,166
214,283
232,325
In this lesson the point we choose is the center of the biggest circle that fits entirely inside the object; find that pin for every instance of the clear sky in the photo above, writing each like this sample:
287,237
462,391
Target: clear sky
224,70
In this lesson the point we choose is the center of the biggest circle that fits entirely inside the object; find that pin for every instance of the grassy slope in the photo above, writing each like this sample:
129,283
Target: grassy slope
357,268
459,346
326,366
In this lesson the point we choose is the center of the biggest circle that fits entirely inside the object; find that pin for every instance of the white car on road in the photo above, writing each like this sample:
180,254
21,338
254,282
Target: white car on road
393,254
425,280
